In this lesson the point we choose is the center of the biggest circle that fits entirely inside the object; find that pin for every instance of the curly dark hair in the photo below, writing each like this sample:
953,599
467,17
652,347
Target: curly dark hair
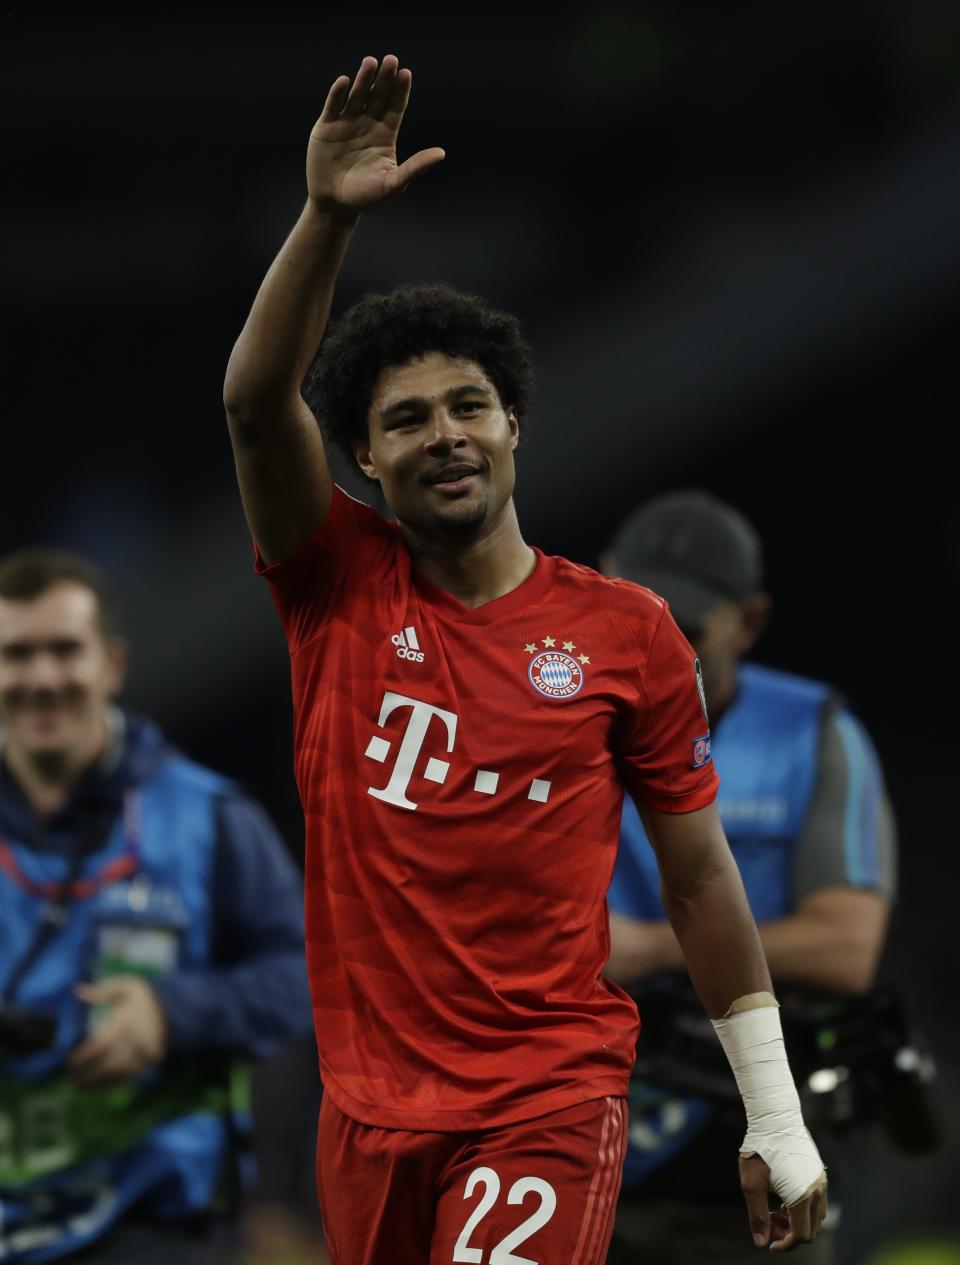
411,321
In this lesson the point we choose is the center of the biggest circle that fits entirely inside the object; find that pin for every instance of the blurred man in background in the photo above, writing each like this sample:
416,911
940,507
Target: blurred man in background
150,936
803,805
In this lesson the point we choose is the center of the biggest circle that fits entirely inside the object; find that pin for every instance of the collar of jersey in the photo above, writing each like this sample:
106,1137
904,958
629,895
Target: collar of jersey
446,606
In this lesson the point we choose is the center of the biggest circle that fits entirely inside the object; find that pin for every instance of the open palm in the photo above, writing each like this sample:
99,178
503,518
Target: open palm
352,155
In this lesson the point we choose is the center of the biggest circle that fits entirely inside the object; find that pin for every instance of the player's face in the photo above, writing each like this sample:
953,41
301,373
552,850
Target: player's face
57,673
441,445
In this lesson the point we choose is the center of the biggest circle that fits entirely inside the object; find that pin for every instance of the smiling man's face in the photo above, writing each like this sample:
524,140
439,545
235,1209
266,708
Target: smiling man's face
441,444
58,672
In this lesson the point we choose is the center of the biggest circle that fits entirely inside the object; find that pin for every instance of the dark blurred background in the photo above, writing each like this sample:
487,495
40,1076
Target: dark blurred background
733,236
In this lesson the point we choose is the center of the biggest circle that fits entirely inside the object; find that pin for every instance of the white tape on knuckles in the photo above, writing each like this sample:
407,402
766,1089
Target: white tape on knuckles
753,1043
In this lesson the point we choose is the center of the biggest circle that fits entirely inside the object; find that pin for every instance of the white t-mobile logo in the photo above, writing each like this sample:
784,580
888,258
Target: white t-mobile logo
413,737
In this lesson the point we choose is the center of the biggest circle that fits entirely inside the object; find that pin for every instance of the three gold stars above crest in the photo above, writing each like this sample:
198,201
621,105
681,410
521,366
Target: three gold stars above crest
549,643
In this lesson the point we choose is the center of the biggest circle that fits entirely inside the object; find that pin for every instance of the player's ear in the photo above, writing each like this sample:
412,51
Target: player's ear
514,423
364,459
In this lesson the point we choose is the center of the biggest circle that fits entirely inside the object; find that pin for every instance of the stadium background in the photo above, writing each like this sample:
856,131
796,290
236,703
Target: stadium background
733,236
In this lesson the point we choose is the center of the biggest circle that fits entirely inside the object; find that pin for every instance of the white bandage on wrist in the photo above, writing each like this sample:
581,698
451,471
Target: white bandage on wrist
753,1043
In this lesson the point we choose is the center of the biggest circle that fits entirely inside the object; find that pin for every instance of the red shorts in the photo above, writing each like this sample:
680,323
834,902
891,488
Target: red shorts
541,1192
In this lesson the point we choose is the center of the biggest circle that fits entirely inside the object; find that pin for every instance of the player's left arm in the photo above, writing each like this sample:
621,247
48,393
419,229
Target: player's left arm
704,898
705,901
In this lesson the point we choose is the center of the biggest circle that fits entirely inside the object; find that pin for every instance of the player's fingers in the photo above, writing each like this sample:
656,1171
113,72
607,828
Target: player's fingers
818,1208
360,90
336,99
753,1182
399,96
382,88
815,1215
800,1228
415,166
779,1227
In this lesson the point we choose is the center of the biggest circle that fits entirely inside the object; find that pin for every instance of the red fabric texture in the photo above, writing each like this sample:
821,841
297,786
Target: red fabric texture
461,773
542,1190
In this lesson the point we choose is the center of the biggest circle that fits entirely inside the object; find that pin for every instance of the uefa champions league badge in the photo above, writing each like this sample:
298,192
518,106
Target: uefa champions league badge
554,671
701,751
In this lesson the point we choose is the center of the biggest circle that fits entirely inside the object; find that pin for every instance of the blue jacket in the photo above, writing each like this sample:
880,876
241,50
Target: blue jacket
183,880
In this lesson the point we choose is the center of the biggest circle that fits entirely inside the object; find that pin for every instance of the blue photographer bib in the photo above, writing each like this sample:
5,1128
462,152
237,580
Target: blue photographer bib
72,1159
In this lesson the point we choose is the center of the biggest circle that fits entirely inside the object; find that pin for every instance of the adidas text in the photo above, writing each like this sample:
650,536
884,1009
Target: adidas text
408,647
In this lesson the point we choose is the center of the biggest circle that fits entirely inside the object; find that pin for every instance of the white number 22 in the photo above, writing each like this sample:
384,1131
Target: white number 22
502,1253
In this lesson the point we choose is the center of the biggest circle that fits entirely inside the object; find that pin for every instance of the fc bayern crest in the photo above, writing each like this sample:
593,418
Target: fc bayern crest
555,674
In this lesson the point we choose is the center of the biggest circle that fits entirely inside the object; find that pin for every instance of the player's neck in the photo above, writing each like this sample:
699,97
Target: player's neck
478,570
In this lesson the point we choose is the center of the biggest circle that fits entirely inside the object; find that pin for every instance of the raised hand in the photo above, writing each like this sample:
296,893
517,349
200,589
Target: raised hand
352,156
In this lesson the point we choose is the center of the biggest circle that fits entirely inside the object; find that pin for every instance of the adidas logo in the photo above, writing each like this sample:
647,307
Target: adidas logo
407,645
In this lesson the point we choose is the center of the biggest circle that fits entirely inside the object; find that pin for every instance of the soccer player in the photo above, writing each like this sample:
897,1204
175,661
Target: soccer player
468,712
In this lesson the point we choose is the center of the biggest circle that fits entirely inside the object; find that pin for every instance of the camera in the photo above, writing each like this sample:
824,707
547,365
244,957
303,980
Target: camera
25,1031
857,1061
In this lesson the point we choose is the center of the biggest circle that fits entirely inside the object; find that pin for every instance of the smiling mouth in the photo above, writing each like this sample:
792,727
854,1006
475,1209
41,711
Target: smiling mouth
455,479
453,487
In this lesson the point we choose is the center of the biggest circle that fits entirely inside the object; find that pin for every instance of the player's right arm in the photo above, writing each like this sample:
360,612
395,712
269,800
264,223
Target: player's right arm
282,470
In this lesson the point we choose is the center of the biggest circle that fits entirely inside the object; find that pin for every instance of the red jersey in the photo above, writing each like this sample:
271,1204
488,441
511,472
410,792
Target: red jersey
462,775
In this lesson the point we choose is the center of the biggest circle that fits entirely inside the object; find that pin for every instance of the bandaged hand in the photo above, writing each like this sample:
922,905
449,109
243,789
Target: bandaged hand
777,1149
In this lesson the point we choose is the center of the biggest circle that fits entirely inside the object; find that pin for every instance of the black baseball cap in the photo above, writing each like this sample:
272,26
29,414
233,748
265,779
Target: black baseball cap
691,548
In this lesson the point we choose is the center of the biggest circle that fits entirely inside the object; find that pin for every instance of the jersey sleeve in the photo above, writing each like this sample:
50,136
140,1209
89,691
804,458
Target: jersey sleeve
352,544
665,757
849,835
